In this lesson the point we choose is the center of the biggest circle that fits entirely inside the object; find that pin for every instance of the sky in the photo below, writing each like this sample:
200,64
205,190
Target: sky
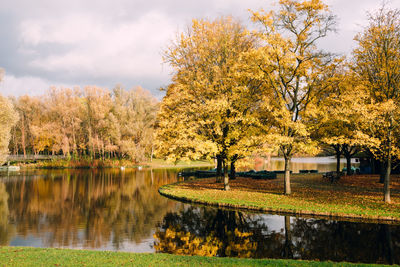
72,43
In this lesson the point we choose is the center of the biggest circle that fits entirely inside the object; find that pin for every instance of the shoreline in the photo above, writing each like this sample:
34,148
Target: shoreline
176,191
111,163
325,216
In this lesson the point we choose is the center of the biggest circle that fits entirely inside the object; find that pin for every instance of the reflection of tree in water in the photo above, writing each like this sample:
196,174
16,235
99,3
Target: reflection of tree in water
202,231
90,206
346,241
6,230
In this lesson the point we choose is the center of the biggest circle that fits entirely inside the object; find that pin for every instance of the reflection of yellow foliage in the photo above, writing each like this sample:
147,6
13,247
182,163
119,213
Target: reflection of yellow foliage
6,231
108,204
185,243
3,205
240,244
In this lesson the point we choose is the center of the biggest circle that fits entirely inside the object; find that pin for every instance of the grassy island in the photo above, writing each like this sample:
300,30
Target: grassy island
357,197
25,256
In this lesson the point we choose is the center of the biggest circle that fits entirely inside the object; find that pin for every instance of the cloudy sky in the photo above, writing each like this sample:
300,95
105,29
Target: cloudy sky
102,42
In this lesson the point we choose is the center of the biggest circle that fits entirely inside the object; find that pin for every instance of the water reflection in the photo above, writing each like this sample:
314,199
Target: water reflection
6,230
122,210
322,164
91,208
204,231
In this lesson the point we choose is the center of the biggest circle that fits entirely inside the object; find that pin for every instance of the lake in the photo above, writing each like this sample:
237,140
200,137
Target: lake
322,164
119,210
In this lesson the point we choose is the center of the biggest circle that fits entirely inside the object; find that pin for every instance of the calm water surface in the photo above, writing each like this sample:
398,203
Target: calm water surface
122,210
322,164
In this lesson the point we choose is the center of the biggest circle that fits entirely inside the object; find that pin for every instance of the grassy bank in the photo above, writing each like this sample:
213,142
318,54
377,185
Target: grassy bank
355,196
22,256
111,163
83,163
159,163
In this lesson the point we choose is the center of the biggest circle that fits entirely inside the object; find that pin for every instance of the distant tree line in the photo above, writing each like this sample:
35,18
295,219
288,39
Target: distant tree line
92,122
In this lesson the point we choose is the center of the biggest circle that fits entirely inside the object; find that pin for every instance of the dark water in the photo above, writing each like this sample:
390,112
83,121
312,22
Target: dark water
122,210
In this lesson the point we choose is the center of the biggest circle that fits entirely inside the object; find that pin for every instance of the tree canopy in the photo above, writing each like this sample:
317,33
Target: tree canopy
377,64
8,118
93,122
209,109
294,71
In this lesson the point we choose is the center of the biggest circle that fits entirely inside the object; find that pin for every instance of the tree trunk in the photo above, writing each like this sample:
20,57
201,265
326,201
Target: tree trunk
382,172
287,176
23,135
15,141
287,252
226,176
373,167
219,169
233,171
387,180
347,152
386,184
348,164
388,243
338,153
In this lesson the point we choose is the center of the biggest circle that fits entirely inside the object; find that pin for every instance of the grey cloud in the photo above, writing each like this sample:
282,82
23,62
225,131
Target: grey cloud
139,61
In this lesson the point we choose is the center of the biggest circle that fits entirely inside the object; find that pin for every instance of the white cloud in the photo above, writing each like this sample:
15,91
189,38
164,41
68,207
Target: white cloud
18,86
99,49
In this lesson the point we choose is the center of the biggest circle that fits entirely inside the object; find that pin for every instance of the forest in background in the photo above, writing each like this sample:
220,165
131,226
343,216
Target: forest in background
93,122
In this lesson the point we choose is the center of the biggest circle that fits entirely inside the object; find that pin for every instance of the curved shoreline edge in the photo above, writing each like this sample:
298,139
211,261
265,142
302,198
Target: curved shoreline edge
314,214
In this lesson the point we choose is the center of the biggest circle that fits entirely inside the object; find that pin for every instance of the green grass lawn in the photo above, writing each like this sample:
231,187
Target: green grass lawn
352,196
25,256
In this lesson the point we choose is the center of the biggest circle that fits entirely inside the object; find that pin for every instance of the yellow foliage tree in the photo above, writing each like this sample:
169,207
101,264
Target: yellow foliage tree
8,118
208,110
377,64
339,122
295,72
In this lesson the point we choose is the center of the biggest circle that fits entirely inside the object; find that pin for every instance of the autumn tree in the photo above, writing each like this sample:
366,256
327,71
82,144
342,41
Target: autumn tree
339,124
26,108
64,115
208,109
294,71
377,64
42,130
8,118
134,116
93,122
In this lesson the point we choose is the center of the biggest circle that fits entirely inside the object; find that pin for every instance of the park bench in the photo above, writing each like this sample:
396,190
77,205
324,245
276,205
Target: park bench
308,171
332,176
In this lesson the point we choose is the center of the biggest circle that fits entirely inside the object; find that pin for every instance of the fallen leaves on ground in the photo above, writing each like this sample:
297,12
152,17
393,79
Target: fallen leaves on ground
356,195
